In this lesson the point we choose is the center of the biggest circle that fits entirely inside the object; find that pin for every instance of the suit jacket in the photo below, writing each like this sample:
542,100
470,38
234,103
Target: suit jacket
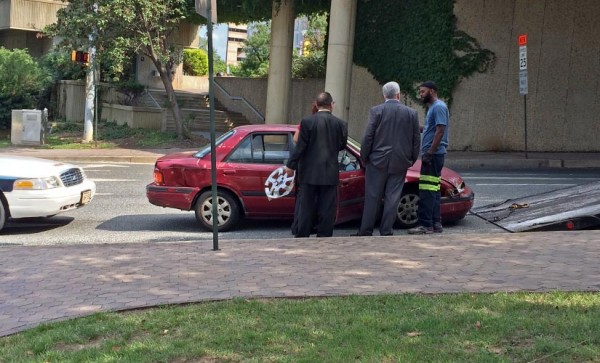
315,156
392,138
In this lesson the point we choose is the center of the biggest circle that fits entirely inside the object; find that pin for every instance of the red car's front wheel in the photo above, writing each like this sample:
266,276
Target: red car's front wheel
407,209
228,212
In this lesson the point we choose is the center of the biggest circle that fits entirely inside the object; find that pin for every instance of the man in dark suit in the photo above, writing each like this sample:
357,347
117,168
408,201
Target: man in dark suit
390,146
315,157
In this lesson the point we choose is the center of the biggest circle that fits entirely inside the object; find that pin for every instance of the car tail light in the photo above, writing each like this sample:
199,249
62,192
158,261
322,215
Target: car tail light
158,177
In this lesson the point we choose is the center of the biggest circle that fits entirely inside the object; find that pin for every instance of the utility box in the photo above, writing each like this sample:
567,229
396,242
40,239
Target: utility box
27,128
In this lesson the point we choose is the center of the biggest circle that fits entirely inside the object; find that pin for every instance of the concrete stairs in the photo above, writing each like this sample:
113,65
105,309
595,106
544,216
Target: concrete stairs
196,112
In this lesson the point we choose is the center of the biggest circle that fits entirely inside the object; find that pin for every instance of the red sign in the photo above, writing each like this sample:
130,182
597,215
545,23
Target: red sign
523,39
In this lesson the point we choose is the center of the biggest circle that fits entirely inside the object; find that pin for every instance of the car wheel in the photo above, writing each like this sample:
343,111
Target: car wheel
2,215
407,209
228,212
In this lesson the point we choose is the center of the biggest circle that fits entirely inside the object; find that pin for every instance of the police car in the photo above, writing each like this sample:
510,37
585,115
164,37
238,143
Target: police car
33,187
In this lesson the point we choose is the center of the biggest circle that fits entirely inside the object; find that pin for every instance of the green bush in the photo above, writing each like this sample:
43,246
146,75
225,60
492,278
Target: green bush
131,90
21,80
195,62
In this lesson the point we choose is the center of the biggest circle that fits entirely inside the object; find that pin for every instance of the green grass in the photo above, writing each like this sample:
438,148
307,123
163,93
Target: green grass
68,135
516,327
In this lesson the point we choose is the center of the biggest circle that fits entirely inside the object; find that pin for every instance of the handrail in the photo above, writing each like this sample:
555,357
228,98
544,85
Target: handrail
240,98
153,99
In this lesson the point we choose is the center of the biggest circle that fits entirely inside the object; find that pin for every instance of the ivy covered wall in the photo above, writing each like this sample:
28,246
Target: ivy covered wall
411,41
404,40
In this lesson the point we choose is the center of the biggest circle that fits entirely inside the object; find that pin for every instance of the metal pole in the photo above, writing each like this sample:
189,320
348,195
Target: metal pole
213,157
525,113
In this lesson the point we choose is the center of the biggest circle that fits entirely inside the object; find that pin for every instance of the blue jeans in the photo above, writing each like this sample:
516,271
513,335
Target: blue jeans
429,191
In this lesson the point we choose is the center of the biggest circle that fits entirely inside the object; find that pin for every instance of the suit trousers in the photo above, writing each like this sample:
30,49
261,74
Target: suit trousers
379,184
319,200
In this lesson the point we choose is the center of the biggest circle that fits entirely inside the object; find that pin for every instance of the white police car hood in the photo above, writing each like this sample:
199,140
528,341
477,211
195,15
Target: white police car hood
29,167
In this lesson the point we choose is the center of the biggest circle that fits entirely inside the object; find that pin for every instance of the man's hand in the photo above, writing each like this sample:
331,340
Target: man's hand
288,171
427,158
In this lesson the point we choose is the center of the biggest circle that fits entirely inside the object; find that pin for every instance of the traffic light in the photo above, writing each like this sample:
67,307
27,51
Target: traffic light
79,56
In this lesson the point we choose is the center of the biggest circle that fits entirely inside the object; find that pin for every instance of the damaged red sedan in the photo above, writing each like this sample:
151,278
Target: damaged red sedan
247,158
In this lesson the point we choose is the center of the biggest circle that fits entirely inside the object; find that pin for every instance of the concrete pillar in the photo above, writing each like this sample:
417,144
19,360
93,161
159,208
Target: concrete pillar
340,50
280,63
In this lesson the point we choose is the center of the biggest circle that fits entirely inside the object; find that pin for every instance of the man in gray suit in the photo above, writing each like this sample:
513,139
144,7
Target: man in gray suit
390,146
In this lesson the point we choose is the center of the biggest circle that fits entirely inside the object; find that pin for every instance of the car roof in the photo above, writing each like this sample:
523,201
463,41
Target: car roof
267,127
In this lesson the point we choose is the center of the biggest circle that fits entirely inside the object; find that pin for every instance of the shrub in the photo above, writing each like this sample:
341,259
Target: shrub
131,90
195,62
21,80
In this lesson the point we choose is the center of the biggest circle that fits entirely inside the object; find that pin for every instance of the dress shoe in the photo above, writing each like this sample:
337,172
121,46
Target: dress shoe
420,230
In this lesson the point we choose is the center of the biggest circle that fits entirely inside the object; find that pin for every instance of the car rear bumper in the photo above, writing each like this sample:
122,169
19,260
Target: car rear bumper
171,197
43,203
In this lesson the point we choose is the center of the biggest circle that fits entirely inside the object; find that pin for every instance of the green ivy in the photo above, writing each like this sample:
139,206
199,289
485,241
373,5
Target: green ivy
408,41
411,41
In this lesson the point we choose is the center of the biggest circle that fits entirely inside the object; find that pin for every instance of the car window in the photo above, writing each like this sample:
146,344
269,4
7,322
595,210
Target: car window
347,161
218,141
262,149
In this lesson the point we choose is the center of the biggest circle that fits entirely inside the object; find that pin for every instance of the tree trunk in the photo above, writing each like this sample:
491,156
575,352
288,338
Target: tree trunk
177,115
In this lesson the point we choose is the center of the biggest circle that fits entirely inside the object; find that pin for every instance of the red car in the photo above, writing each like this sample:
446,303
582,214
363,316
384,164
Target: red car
246,157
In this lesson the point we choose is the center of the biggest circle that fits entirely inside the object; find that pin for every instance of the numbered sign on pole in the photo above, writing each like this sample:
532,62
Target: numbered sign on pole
523,85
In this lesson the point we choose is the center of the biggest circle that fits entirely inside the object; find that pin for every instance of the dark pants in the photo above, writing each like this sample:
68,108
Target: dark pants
381,185
429,191
319,200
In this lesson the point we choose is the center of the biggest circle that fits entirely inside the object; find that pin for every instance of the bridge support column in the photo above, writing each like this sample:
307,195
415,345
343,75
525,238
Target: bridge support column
280,63
339,54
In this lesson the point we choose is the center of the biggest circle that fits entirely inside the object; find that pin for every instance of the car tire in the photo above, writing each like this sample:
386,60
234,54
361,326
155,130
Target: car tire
228,212
3,214
407,209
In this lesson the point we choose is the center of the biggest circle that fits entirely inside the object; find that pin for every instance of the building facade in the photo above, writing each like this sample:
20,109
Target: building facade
237,34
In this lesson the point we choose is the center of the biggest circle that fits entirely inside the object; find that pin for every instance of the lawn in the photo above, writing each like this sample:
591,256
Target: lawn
68,135
500,327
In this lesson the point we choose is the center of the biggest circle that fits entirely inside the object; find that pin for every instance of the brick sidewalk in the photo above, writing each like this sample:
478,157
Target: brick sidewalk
43,284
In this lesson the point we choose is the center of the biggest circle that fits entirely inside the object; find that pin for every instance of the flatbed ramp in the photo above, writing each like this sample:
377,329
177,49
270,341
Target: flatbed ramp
570,208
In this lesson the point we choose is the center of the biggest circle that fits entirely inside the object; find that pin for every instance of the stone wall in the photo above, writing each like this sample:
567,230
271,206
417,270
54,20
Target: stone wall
563,104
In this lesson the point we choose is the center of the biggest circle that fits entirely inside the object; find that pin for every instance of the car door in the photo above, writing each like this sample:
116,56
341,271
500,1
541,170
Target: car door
351,189
249,166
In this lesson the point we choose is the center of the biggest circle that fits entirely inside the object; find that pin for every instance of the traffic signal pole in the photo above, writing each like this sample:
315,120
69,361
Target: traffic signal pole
90,97
90,92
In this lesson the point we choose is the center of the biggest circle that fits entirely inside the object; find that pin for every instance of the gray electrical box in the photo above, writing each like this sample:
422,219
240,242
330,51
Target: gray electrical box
26,127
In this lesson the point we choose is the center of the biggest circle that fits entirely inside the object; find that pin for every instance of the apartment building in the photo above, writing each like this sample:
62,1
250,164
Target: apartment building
21,23
236,39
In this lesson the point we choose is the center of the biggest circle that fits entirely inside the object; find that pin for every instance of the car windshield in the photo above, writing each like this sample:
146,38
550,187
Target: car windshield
219,141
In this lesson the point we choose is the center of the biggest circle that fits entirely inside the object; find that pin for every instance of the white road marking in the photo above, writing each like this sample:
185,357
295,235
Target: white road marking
522,184
114,180
528,178
105,166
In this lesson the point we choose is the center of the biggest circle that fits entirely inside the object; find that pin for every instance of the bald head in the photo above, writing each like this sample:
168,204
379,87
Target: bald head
324,100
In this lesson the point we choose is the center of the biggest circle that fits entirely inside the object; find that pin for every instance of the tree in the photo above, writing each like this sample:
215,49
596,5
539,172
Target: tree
195,62
119,28
21,80
256,63
312,62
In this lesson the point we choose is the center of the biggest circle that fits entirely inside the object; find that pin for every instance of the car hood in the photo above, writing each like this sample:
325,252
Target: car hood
29,167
